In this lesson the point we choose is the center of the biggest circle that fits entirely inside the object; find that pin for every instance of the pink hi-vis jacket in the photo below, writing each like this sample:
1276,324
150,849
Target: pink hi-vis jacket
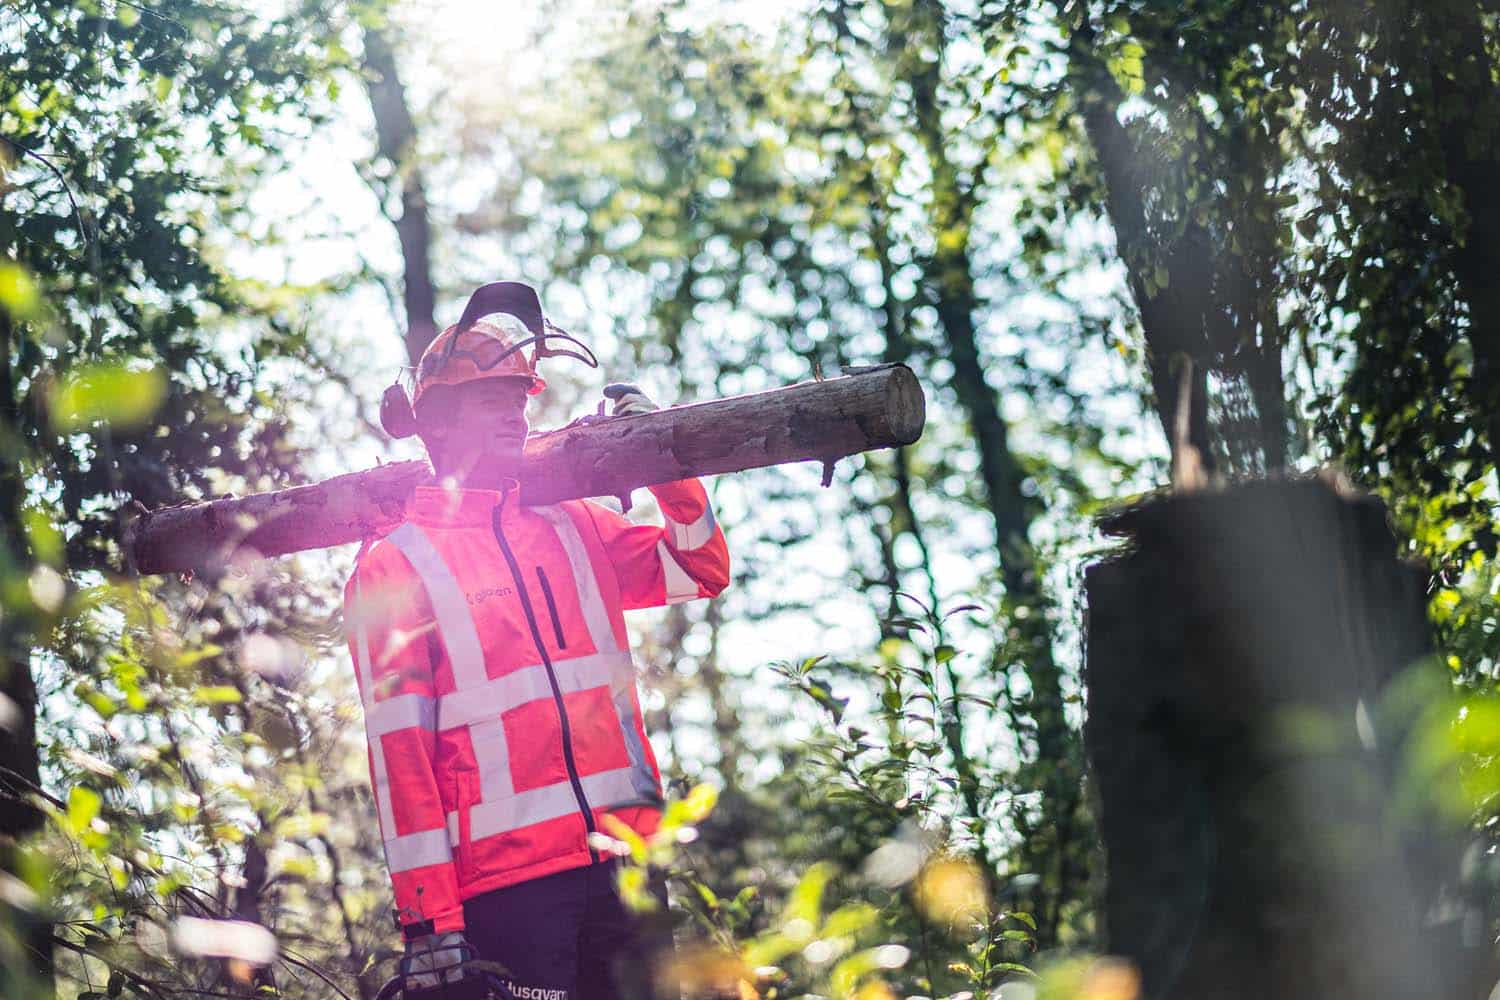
499,695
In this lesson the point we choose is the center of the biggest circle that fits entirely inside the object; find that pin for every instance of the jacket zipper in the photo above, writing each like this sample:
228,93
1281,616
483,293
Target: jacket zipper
541,575
557,698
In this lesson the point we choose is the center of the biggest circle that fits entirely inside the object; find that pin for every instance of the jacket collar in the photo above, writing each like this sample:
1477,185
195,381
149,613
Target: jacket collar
456,507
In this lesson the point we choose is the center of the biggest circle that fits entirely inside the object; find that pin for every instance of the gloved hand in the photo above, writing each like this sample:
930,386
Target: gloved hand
628,399
435,959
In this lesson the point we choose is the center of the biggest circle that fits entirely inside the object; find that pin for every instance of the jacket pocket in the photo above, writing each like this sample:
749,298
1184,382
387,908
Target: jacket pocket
557,631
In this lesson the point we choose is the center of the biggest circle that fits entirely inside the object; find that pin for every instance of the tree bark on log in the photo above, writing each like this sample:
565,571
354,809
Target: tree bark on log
1247,755
821,421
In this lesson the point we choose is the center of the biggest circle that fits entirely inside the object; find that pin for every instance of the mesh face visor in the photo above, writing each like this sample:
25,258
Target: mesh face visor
500,320
488,343
488,353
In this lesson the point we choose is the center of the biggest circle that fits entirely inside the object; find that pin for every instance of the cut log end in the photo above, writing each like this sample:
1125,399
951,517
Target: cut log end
905,406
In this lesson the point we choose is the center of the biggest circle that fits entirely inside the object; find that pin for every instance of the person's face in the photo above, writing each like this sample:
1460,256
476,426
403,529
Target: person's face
475,432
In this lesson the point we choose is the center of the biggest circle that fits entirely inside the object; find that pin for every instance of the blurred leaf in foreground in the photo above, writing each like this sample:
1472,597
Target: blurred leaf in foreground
18,292
232,939
119,395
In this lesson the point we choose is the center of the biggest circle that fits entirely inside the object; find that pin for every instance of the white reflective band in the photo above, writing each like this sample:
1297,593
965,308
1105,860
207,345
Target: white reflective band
418,850
680,586
380,777
530,684
621,672
488,700
686,537
401,712
362,641
595,614
605,790
492,754
617,789
643,782
598,670
382,789
455,623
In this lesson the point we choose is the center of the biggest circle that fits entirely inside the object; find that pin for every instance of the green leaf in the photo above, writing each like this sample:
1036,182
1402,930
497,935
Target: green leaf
701,801
804,907
217,694
1021,916
1012,967
83,808
944,653
822,693
46,541
96,699
302,826
119,395
18,293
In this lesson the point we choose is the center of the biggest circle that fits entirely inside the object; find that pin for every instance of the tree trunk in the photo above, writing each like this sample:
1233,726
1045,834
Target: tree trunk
1171,323
1245,754
20,763
396,138
812,421
254,877
1056,766
1464,88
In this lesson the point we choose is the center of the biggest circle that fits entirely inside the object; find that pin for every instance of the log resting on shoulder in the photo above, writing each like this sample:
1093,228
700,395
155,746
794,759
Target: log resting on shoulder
821,421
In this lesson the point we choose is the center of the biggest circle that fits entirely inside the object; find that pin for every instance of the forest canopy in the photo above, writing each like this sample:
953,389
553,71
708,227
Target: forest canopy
1127,248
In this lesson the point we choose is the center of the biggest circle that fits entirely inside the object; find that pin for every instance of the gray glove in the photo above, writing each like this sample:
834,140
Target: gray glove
434,960
628,399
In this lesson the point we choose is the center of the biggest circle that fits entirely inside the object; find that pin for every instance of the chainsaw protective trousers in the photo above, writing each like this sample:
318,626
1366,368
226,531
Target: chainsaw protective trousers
569,936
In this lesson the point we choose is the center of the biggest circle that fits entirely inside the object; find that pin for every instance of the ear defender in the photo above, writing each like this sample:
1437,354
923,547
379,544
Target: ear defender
396,414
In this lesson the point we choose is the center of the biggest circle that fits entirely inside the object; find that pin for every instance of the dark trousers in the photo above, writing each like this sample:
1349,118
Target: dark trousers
569,936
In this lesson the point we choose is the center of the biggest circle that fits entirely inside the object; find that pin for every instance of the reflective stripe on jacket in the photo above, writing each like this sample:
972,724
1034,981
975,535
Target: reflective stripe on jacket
499,694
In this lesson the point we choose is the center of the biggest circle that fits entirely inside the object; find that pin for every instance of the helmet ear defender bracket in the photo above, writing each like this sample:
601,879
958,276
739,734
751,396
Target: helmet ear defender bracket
397,415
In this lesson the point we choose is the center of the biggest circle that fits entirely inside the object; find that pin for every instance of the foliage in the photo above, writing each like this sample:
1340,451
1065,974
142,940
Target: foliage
170,757
847,952
1061,215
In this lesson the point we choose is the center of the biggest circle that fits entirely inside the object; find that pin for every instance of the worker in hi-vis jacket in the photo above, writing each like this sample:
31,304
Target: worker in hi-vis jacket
495,671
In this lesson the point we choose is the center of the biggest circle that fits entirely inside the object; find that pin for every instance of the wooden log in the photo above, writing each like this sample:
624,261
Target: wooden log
821,421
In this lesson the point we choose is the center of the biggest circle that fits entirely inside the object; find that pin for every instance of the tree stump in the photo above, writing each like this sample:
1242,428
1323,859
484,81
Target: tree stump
1238,655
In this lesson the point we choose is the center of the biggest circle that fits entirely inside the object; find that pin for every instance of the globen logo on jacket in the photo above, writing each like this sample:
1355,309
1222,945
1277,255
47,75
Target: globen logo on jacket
499,693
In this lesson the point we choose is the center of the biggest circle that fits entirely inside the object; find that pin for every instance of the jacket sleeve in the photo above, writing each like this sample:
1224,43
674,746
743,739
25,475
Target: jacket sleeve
389,624
681,561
